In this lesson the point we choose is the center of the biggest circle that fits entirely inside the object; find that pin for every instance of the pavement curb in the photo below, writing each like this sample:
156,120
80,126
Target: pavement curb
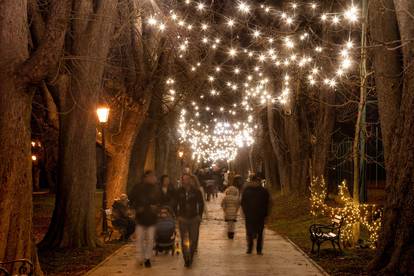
104,261
306,256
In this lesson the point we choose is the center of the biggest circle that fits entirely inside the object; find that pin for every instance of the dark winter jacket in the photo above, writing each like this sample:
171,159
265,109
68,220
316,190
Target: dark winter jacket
168,198
145,199
189,204
255,203
119,210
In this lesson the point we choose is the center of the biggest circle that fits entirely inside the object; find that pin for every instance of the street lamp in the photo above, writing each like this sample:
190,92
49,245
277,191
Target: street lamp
180,155
103,115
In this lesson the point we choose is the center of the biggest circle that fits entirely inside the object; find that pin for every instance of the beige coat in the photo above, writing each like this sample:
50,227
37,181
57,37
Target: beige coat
231,203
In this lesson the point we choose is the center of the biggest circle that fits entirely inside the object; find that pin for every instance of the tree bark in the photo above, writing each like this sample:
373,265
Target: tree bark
50,139
395,253
118,166
16,239
139,153
73,220
387,66
17,72
276,143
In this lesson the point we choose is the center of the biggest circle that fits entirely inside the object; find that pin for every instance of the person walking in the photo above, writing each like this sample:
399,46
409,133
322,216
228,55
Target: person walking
145,199
167,193
255,204
198,186
189,210
231,205
238,182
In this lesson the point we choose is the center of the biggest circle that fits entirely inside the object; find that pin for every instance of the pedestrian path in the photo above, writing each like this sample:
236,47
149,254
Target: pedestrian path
217,255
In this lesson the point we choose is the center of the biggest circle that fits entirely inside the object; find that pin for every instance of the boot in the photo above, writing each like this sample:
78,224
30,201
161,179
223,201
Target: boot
147,263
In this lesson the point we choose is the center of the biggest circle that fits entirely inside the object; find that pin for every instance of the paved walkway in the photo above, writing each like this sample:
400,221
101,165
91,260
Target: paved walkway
217,256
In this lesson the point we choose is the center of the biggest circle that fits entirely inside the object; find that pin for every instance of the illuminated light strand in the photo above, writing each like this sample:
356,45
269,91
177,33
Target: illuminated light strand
288,53
369,215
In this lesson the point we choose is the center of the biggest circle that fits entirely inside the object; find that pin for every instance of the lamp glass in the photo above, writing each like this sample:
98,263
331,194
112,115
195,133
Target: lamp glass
103,114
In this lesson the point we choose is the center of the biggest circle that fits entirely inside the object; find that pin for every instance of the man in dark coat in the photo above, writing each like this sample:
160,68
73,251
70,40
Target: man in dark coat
145,199
255,204
189,210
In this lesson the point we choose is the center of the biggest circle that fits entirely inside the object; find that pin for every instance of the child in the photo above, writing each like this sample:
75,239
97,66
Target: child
231,205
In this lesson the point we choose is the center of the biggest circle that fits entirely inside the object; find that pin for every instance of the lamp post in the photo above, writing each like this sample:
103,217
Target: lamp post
103,115
180,155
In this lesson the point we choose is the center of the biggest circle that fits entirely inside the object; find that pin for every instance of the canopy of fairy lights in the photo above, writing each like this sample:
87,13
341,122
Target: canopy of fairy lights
247,56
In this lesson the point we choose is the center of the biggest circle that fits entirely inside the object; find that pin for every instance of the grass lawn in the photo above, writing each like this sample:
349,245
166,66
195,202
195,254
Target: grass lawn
67,262
291,218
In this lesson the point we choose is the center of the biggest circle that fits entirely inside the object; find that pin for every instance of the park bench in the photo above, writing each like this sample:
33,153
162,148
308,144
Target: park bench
320,233
21,267
111,229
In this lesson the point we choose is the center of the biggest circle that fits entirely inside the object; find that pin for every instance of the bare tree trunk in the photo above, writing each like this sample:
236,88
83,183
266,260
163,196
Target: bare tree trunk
73,220
50,139
118,166
139,153
149,164
396,249
162,148
322,134
282,164
395,253
15,171
173,165
270,162
387,64
17,72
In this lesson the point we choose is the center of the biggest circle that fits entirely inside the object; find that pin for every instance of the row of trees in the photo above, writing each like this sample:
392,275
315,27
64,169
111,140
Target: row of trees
79,54
300,136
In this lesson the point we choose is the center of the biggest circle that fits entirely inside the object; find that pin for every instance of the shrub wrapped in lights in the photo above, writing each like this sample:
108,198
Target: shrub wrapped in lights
368,215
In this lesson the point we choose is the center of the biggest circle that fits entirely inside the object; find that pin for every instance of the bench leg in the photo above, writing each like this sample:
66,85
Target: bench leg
339,246
333,244
319,248
313,247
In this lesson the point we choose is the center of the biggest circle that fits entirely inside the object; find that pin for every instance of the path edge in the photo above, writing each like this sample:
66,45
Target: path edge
105,260
306,256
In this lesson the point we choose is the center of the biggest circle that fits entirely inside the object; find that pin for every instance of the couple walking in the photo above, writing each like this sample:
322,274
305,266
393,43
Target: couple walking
145,198
255,203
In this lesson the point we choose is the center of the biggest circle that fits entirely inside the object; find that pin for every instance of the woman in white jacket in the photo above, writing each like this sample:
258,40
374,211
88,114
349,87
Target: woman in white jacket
231,205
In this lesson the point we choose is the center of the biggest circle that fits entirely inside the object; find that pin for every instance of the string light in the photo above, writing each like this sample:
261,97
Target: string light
351,14
295,54
369,215
243,7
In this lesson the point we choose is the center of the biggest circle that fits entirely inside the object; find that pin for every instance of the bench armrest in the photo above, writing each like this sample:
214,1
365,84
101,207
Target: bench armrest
25,268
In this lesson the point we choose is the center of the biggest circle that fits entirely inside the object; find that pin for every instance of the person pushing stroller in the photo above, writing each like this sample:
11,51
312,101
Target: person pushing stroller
189,210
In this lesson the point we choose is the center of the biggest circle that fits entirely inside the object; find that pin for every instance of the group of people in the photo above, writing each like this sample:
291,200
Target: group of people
255,203
187,203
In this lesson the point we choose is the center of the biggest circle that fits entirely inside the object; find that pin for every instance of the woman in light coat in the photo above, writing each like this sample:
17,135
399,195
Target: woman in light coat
231,205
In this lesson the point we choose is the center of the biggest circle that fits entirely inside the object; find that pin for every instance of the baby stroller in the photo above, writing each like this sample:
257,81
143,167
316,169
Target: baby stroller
165,231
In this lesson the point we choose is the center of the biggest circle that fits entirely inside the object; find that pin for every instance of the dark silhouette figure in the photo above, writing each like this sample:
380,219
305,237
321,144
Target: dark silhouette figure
190,208
255,204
